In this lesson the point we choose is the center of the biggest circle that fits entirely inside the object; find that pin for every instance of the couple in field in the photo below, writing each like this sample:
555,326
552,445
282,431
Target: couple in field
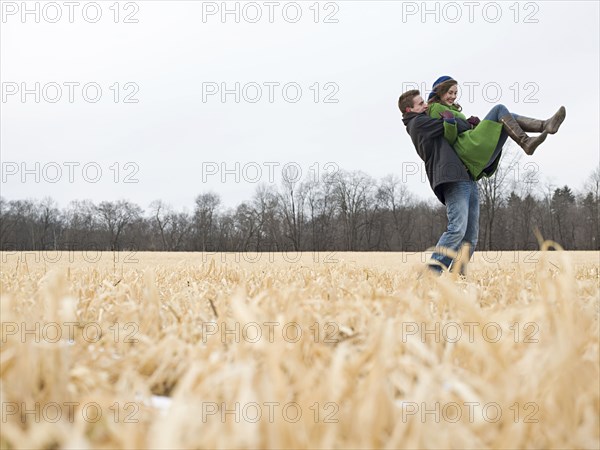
457,152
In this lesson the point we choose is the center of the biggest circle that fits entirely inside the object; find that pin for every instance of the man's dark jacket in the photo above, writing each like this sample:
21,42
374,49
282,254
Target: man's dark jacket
442,164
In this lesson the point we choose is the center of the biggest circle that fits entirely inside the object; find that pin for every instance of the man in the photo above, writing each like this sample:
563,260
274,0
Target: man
447,175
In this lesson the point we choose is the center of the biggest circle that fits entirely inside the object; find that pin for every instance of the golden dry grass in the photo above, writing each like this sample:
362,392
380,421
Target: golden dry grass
388,356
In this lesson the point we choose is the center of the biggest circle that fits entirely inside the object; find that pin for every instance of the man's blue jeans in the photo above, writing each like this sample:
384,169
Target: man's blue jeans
462,207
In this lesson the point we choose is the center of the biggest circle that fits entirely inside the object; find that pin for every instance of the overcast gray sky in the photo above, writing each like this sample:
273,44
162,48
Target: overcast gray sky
130,97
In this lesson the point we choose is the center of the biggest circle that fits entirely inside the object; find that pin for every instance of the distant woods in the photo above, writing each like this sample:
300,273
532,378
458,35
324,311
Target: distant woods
346,211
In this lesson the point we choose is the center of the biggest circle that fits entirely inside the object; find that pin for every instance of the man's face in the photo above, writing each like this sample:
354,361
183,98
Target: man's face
419,105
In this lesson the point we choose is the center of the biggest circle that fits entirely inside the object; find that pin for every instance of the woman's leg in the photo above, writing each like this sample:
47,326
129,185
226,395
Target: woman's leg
527,123
527,143
500,113
537,126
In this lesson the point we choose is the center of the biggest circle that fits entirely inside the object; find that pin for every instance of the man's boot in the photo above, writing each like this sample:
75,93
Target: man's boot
537,126
527,143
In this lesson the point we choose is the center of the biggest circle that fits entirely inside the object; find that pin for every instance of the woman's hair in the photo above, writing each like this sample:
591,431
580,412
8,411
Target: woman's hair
441,89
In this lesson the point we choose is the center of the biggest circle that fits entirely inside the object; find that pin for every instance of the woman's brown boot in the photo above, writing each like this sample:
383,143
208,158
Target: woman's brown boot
527,143
537,126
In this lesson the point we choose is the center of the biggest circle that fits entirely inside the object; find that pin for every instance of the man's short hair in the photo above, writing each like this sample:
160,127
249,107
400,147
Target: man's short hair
406,100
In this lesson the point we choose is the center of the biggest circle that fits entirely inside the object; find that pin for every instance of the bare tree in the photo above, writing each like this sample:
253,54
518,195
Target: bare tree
321,208
266,205
351,190
394,196
49,223
7,225
590,204
173,227
204,215
292,198
592,184
246,227
115,216
492,192
81,225
562,205
161,217
23,215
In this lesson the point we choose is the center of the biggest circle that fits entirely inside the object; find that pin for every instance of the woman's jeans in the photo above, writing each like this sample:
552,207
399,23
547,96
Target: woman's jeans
462,207
498,111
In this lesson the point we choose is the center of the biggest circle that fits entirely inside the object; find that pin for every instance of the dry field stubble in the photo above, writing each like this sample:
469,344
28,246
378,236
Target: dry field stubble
337,350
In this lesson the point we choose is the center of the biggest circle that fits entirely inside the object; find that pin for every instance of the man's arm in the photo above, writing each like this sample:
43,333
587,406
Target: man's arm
427,127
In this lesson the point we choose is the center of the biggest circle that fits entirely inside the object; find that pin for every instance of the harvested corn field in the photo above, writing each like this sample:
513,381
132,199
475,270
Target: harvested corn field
339,350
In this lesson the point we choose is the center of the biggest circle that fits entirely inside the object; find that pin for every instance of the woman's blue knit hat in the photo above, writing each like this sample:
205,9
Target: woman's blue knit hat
436,83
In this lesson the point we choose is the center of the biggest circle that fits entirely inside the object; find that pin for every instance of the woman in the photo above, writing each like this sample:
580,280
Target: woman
480,147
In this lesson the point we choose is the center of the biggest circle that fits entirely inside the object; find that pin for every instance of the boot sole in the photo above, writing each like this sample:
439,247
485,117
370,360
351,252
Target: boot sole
560,119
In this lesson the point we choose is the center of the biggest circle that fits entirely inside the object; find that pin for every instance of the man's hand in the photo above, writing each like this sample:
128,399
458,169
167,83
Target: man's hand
448,116
474,121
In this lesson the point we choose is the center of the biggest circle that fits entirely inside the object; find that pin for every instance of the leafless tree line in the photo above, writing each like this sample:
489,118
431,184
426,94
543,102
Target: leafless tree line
345,211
